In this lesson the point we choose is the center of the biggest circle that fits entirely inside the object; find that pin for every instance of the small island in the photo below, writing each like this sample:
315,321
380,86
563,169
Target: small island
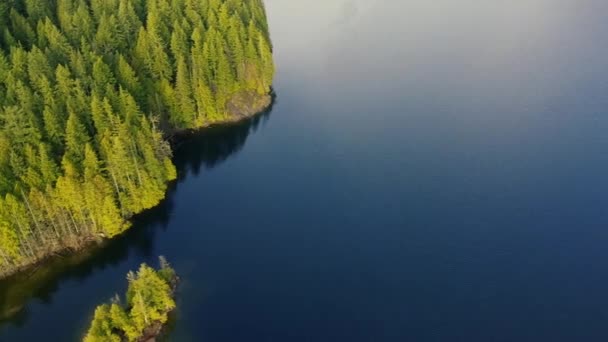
145,311
91,93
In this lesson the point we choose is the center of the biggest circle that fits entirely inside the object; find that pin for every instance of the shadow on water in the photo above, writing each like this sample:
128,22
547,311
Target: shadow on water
214,145
205,149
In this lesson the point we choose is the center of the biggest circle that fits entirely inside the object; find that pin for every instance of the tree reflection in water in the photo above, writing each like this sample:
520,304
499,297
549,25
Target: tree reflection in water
206,149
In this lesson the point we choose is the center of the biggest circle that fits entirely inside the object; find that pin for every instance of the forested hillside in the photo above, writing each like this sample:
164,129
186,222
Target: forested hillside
89,88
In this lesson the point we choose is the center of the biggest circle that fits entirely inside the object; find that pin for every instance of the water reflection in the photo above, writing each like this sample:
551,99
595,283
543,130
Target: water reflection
215,145
205,149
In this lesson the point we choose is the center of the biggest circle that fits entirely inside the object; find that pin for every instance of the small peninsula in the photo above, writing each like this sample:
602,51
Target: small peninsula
90,92
149,300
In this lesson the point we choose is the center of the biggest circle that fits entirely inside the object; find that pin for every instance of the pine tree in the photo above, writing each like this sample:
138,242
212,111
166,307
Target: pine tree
102,329
149,296
121,321
148,301
129,80
102,77
76,137
85,88
48,167
184,116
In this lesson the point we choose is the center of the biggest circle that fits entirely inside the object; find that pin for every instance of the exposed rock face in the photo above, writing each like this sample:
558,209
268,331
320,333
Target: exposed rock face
248,103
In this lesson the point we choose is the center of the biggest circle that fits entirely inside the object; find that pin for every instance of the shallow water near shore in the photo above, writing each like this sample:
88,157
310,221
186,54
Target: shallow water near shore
430,171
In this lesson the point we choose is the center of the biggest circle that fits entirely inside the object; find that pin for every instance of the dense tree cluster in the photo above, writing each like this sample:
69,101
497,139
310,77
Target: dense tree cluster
148,302
87,89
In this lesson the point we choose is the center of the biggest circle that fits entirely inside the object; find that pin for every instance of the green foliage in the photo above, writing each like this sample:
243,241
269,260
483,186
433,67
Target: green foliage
149,300
85,86
102,329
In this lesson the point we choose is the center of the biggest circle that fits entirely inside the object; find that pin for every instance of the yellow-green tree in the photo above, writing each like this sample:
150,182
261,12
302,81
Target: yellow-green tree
149,300
85,86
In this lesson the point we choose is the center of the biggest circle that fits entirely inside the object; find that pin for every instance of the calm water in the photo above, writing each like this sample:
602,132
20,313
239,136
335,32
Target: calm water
431,171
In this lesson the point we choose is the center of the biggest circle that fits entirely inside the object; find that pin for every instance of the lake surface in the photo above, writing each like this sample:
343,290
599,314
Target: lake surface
430,171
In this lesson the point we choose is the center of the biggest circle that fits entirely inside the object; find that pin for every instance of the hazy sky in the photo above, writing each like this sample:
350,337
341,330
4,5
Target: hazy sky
483,45
413,25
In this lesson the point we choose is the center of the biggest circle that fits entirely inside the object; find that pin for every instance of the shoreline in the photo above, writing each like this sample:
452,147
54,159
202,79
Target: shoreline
175,139
157,329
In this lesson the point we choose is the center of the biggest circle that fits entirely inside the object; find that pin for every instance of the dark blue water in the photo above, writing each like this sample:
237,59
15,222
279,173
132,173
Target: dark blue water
430,171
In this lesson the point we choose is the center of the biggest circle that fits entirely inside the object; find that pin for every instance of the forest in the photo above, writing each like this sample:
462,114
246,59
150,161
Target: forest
90,90
149,300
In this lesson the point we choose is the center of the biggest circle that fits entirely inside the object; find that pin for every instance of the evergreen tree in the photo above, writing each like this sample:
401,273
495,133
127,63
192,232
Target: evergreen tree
149,299
184,116
76,137
102,329
85,86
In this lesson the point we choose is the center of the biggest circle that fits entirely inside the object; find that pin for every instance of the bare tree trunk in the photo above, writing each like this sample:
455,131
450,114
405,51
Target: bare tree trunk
66,221
51,219
143,305
23,241
73,222
36,224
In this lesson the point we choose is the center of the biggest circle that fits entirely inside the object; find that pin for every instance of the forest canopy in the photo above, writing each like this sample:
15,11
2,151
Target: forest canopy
144,311
89,90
